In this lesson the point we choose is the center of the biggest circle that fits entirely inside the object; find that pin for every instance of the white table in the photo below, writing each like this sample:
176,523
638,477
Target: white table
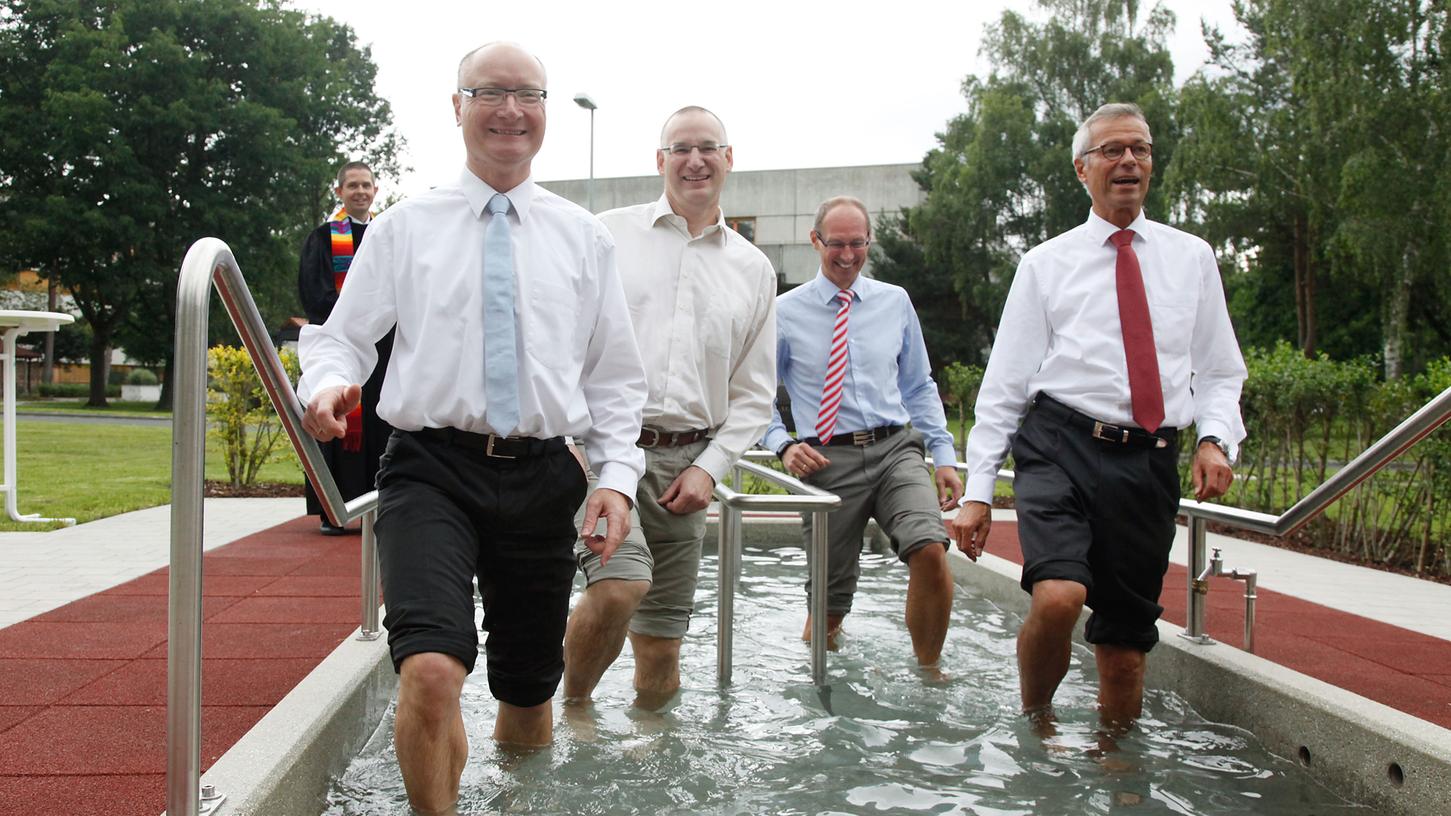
13,323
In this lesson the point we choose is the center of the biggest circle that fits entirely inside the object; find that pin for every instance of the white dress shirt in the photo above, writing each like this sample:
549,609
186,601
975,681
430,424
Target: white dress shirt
422,267
704,312
1060,335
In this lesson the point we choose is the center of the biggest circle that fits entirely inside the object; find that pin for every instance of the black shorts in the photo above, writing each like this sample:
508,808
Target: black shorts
447,514
1098,513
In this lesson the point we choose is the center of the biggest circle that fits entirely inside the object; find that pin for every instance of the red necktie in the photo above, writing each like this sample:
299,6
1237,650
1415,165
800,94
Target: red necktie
835,372
1133,314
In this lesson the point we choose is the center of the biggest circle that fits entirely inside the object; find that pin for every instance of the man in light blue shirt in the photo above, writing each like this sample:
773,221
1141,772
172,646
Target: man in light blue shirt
850,353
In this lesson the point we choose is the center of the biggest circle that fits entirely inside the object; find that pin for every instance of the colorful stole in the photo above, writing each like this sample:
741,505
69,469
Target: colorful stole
340,229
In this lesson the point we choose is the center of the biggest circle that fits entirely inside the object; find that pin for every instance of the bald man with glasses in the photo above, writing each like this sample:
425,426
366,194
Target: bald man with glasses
850,352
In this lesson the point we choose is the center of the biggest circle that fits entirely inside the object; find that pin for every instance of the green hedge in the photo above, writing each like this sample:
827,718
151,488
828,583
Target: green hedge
74,390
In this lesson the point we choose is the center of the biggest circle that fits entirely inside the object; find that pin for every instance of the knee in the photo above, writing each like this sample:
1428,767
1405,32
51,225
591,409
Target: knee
615,599
930,560
431,682
1058,603
1120,665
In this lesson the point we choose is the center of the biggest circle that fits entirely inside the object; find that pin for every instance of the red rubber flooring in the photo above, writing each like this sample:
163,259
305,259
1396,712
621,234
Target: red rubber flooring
83,687
1405,670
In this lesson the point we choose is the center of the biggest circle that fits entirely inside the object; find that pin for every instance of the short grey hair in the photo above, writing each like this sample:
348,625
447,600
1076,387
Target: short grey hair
841,201
1113,110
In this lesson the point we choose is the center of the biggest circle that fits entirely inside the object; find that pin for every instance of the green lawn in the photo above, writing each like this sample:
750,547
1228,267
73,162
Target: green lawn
114,408
89,471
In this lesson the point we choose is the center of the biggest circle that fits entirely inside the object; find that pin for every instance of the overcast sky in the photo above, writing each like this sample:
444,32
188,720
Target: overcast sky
797,84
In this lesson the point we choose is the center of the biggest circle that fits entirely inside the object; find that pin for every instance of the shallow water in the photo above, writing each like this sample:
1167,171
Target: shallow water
892,741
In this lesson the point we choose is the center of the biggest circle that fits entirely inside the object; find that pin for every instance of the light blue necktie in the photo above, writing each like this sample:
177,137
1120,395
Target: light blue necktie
501,364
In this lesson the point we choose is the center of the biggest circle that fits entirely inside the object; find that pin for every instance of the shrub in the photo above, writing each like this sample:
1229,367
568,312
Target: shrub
74,390
141,376
241,415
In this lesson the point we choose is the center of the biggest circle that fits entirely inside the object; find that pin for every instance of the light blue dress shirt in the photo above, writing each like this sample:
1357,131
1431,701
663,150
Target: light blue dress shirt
888,377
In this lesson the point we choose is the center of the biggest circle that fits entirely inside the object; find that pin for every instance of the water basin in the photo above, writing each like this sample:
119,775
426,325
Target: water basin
881,739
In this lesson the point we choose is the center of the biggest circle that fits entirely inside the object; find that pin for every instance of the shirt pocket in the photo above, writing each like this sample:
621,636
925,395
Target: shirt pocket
1173,320
552,328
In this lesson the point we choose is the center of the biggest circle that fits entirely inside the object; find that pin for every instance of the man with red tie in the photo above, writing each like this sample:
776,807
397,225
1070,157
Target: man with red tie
849,350
1114,337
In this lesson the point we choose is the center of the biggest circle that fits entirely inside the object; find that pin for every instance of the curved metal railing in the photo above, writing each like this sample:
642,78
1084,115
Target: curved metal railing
803,498
210,262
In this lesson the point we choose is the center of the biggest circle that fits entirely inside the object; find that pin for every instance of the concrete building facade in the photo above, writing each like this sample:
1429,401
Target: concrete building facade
775,209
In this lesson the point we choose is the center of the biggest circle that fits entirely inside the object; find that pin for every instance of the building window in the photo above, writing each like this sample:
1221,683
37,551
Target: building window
745,225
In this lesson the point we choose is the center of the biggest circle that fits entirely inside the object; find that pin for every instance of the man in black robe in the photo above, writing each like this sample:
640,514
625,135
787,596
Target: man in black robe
326,255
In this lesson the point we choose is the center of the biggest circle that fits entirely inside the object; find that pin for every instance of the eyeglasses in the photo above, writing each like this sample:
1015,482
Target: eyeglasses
707,149
836,246
1113,151
526,97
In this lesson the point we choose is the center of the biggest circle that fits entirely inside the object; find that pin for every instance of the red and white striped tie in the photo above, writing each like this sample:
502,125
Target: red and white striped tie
835,372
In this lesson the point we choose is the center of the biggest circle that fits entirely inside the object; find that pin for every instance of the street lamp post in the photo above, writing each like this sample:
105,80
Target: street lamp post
584,101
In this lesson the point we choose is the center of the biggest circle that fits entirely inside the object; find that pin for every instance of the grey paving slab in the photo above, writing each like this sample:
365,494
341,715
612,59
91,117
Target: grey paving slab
45,570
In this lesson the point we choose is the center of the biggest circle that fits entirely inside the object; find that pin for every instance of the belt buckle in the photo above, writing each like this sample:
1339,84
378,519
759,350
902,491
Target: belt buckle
654,438
489,449
863,438
1110,433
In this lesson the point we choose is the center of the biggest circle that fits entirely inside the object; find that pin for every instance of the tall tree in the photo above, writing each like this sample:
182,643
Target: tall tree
1315,147
1002,179
130,128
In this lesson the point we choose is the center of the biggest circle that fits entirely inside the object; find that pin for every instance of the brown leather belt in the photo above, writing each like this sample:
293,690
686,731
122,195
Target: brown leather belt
651,438
498,447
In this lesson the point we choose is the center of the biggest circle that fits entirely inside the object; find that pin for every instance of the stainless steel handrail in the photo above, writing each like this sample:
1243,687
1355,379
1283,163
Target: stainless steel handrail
209,261
804,498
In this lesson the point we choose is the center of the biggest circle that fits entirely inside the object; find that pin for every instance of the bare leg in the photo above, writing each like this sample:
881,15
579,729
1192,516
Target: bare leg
596,633
1046,639
657,669
929,602
528,727
833,630
428,732
1120,685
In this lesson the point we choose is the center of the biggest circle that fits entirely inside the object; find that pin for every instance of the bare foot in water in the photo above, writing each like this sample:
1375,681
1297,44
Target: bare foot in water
834,632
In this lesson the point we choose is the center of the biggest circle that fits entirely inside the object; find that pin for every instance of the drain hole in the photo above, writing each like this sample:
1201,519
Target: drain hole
1305,756
1396,775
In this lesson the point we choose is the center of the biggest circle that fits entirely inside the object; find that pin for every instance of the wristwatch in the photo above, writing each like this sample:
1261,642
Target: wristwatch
781,454
1218,443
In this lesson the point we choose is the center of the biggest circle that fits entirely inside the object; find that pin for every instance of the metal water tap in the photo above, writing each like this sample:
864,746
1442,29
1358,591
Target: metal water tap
1215,569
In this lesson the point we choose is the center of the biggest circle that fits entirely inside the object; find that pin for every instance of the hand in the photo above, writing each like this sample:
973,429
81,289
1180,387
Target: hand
949,486
1211,471
801,460
326,417
691,491
614,508
970,526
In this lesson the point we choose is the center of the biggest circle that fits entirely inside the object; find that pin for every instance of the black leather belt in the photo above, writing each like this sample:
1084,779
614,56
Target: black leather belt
858,438
651,438
499,447
1103,431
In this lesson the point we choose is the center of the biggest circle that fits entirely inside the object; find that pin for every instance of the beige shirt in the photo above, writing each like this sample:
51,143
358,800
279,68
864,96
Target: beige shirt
704,312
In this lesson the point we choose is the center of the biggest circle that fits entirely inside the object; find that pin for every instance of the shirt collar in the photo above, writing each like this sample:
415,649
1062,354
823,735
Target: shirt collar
662,212
1100,230
478,193
824,291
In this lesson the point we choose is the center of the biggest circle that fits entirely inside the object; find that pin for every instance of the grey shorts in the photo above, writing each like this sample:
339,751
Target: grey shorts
662,548
888,481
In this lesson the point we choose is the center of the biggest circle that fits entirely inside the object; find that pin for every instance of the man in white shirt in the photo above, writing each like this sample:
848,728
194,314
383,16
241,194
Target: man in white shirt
512,332
702,299
1114,336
